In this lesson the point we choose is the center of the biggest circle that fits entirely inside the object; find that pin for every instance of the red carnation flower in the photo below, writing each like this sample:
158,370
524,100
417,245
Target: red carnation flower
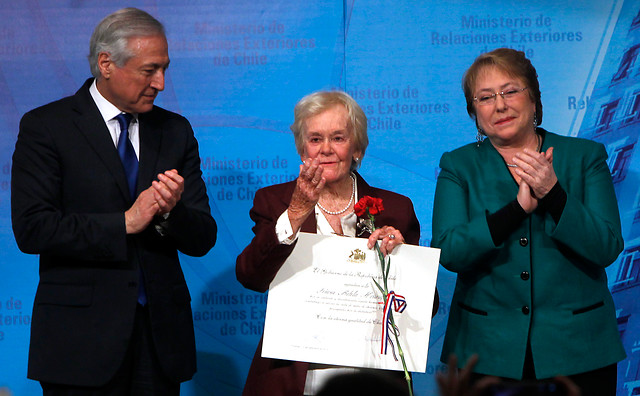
374,205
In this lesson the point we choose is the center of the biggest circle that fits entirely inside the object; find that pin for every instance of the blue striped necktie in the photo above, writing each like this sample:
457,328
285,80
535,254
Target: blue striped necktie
127,154
130,163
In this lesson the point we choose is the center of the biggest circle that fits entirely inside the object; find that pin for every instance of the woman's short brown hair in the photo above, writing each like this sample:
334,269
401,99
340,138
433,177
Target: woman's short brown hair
515,64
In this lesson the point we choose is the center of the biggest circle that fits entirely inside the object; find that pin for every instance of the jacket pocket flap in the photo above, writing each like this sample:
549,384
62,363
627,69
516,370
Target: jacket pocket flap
65,294
588,308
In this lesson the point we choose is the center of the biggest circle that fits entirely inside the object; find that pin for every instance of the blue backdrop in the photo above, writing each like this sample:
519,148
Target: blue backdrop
239,66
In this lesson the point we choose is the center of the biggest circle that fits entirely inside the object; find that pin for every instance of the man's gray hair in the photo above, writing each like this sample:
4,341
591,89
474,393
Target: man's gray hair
113,33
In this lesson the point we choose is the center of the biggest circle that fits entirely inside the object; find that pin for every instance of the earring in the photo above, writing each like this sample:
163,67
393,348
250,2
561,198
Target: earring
535,120
479,135
356,159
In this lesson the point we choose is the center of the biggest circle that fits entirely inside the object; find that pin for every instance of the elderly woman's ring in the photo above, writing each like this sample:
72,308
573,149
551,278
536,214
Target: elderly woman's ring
391,236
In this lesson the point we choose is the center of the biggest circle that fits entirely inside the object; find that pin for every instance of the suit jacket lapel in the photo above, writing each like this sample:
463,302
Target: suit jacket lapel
310,224
364,189
91,125
150,140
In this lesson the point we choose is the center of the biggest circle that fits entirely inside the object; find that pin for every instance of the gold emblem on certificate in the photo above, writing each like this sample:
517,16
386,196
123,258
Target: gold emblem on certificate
357,256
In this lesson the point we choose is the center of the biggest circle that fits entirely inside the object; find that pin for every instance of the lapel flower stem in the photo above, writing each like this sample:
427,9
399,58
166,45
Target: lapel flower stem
385,265
407,377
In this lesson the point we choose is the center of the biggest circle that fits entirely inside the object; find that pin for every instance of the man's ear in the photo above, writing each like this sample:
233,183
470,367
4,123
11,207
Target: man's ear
105,64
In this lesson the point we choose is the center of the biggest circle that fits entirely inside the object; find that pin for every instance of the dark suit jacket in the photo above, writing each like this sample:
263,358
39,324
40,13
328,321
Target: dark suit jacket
68,198
258,264
546,283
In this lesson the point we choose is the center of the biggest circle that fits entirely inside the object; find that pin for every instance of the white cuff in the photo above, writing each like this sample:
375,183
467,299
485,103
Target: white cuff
284,231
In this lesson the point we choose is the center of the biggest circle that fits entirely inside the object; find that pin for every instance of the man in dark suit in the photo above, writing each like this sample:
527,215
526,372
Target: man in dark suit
112,311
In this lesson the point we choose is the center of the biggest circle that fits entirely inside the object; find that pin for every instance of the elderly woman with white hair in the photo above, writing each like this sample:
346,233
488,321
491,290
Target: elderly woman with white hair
330,132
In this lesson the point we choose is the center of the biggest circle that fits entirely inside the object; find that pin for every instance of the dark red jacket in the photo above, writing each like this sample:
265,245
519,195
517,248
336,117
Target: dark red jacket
258,264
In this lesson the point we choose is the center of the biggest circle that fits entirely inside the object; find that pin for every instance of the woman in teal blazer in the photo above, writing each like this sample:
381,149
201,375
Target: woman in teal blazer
529,221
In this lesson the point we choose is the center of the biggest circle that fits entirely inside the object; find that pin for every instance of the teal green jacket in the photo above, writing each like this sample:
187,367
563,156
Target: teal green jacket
546,283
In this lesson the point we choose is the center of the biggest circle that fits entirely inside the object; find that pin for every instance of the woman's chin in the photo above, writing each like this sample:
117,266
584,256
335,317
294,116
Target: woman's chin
332,178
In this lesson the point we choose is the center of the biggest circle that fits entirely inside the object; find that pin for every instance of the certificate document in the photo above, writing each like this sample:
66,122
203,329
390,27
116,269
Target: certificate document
324,306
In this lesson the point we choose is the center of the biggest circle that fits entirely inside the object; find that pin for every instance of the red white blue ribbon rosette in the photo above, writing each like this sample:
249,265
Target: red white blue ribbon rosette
393,302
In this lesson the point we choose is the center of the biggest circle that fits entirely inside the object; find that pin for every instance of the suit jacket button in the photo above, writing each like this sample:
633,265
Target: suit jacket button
524,241
524,275
525,310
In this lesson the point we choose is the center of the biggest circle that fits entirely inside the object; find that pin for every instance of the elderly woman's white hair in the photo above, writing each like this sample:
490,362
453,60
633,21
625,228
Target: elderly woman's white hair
321,101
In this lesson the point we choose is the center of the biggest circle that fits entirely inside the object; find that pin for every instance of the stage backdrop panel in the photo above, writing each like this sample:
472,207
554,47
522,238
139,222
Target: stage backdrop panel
238,68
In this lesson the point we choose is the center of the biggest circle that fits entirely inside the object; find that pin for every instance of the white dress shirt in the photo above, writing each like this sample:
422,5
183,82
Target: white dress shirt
109,112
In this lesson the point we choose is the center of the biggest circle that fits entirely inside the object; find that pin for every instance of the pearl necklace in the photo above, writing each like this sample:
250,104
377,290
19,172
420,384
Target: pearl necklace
539,139
353,195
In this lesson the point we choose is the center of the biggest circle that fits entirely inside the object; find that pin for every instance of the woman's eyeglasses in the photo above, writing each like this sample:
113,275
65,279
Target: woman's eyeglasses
490,99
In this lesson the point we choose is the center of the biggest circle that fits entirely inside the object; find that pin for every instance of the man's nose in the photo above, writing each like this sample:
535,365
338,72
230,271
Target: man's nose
157,80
